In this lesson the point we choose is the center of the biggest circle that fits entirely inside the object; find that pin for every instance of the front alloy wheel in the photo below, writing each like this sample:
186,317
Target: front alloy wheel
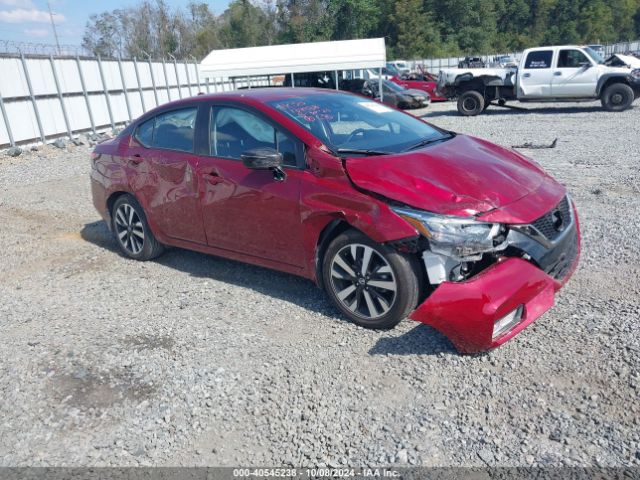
373,285
362,281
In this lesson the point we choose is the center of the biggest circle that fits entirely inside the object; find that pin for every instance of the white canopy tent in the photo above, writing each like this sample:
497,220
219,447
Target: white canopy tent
296,58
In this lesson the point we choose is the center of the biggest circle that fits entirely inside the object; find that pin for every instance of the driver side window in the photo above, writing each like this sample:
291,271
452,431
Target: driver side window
571,59
234,131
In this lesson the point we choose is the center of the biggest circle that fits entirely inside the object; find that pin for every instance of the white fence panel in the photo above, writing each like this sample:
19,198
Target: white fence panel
27,127
77,113
96,94
112,75
12,80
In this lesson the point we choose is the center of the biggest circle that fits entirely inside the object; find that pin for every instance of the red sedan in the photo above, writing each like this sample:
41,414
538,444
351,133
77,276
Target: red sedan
425,82
392,216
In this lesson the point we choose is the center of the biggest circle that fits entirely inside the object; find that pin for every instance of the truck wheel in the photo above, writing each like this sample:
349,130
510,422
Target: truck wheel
470,103
617,97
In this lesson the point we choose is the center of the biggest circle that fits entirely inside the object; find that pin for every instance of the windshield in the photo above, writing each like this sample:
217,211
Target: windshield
350,122
594,55
393,86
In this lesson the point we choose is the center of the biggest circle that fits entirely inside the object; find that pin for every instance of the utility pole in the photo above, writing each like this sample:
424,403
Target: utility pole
53,25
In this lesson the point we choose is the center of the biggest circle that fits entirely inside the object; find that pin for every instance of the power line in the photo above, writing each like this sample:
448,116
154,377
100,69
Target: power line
53,26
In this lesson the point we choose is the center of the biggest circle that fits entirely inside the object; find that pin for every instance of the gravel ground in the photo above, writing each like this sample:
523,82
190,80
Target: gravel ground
197,360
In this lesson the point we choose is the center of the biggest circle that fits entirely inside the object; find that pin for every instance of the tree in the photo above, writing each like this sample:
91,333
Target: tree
416,36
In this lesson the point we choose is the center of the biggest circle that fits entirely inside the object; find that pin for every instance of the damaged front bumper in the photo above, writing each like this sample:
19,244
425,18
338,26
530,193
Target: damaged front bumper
490,308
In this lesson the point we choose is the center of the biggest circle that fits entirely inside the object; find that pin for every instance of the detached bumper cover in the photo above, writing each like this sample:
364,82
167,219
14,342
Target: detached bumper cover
466,311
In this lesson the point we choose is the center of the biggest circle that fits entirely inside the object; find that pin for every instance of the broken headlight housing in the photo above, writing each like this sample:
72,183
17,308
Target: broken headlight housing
457,237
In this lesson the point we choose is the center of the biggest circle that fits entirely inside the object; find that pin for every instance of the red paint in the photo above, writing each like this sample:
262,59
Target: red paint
218,206
452,177
466,311
424,85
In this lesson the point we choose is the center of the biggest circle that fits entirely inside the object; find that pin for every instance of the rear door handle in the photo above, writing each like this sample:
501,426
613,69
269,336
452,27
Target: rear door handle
135,159
526,75
213,178
557,74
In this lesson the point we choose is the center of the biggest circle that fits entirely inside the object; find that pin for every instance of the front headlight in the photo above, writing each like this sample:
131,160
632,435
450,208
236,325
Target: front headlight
457,237
635,73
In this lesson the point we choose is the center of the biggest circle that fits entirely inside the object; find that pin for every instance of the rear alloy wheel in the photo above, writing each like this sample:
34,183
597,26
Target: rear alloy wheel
471,103
617,97
373,285
132,232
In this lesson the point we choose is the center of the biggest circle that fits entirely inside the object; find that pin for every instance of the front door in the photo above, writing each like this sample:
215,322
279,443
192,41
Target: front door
250,211
574,75
535,75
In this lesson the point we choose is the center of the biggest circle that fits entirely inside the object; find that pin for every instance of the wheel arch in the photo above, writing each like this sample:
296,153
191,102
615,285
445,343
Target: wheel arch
609,79
334,228
111,199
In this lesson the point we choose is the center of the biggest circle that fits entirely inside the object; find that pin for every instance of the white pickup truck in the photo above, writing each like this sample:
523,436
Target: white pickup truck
546,74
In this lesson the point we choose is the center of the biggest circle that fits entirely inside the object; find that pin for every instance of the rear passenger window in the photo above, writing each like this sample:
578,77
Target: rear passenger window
144,133
537,60
174,130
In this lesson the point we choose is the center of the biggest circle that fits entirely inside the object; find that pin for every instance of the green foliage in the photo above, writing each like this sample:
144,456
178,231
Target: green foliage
412,28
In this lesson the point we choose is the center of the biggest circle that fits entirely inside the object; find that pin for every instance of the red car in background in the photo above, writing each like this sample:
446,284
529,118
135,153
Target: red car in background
420,81
390,215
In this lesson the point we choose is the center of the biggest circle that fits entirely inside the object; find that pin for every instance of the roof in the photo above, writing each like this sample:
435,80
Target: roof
295,58
259,95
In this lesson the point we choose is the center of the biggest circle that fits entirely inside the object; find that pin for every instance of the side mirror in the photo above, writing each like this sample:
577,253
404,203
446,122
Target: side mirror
262,158
265,159
585,65
368,92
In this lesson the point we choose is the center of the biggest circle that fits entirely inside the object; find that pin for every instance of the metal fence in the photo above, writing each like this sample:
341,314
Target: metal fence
44,97
435,64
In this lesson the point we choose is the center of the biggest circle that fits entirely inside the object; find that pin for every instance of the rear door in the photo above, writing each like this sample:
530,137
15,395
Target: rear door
535,75
162,152
245,210
574,75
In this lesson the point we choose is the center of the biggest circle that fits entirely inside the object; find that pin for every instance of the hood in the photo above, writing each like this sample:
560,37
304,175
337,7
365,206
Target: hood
619,60
463,176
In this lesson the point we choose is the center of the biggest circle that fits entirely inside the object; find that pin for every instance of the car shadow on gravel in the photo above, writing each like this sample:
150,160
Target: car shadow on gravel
495,111
283,286
420,340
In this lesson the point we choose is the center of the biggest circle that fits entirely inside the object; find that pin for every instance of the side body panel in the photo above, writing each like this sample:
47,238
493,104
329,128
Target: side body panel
535,82
574,82
166,184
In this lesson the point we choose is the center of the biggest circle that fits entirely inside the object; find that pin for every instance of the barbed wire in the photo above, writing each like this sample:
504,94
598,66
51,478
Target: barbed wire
13,47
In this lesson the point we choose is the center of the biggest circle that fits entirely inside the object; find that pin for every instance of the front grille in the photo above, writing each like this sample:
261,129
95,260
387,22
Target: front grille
547,225
563,263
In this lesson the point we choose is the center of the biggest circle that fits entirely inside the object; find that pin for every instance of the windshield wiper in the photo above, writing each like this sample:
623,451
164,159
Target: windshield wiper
429,141
362,152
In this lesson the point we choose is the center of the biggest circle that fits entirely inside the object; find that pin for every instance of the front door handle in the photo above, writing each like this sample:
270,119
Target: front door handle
213,178
526,75
557,74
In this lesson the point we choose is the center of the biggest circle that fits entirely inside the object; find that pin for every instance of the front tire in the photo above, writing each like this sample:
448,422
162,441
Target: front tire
371,284
131,229
471,103
617,97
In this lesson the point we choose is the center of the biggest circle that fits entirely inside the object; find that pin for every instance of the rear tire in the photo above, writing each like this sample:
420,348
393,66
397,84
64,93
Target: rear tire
617,97
131,230
471,103
371,284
